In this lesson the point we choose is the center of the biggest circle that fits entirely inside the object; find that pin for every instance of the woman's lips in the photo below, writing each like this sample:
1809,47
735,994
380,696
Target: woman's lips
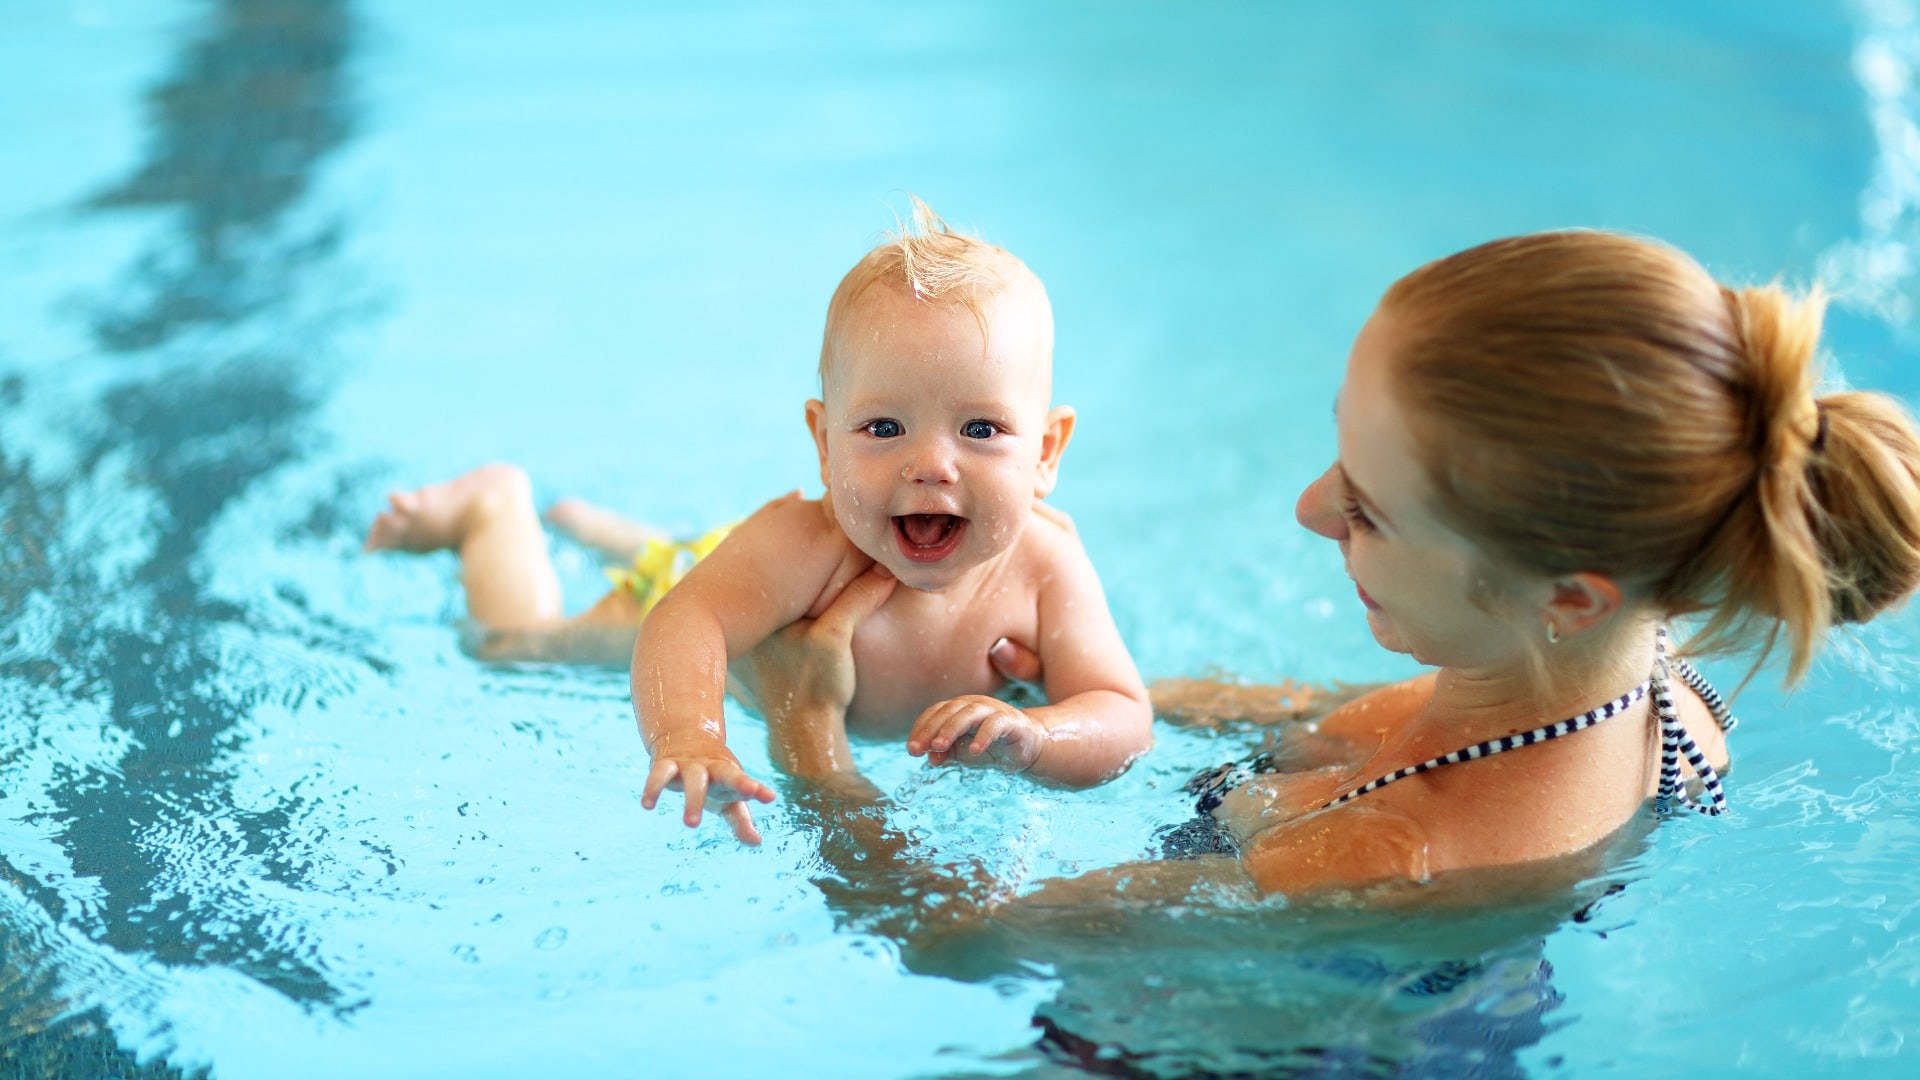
928,538
1364,598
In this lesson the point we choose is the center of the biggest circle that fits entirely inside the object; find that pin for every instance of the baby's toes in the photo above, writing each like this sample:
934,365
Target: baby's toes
382,535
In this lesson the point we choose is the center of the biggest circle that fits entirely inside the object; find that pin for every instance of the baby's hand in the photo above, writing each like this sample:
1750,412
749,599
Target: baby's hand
711,776
977,730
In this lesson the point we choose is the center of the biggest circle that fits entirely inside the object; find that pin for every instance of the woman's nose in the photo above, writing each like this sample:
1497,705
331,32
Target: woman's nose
1319,506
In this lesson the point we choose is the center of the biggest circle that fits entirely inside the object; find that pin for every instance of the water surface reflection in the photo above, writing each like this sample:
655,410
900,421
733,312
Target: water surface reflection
207,343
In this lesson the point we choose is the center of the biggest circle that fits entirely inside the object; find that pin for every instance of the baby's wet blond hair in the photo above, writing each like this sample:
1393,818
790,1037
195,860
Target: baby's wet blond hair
926,259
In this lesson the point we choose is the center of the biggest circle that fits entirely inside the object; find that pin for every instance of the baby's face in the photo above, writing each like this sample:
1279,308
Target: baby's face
932,452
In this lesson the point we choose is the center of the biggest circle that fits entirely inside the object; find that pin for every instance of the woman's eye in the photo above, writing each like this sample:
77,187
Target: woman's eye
885,429
1357,516
979,429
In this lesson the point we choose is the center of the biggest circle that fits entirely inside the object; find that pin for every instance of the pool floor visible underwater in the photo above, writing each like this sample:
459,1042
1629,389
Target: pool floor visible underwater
262,261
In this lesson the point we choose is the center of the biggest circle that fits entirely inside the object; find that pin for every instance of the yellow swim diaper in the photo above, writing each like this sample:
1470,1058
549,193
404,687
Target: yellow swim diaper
661,564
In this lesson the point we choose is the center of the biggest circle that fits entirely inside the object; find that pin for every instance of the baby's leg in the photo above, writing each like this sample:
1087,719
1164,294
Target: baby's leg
601,529
602,634
487,517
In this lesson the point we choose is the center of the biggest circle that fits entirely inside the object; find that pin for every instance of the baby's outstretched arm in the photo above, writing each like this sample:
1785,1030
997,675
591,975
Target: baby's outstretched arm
764,576
1099,719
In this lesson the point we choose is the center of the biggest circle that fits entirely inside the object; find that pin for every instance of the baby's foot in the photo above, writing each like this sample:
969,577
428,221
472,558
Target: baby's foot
600,529
441,515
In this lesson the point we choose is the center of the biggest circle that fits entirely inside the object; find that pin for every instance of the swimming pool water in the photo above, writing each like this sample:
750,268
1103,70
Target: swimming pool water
263,260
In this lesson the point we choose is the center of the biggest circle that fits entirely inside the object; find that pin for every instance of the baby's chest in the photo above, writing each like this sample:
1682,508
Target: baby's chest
908,661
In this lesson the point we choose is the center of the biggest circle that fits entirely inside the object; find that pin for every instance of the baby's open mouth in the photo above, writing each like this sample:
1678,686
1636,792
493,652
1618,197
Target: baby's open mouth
928,537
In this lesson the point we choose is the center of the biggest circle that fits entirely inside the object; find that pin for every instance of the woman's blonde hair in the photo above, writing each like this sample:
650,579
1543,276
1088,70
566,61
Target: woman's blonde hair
932,262
1589,402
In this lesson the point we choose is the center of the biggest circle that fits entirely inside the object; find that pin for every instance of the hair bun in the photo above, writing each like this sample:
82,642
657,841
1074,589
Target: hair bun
1779,337
1864,482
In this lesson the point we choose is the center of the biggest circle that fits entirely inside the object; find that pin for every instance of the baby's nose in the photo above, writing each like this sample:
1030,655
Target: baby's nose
930,465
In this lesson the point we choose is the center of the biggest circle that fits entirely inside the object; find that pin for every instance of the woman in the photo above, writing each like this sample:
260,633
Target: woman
1550,448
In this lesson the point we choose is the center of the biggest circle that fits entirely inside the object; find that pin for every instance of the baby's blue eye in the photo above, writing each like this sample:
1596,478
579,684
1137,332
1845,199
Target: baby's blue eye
979,429
885,429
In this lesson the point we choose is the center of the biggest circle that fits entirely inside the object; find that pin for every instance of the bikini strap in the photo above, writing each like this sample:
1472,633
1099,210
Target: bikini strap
1675,742
1698,682
1501,745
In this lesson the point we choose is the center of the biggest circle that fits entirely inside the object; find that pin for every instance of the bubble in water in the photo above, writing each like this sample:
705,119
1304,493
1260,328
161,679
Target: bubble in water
551,938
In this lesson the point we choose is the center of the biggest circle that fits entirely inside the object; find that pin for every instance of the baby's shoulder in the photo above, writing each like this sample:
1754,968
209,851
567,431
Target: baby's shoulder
809,543
792,519
1051,539
1053,560
795,535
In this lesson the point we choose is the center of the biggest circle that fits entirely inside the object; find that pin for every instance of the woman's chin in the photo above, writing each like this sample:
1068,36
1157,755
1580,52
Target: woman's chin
1384,633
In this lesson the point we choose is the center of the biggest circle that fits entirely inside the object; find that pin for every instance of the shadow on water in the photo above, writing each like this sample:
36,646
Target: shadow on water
239,131
206,342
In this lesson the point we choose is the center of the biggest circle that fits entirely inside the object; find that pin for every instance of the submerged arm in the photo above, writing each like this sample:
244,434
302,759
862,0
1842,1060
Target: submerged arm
805,673
1220,702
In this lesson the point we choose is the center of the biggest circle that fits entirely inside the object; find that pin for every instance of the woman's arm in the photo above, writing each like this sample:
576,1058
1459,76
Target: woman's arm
805,673
1220,702
1213,702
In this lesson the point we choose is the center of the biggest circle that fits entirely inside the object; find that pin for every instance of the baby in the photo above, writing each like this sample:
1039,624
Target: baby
936,444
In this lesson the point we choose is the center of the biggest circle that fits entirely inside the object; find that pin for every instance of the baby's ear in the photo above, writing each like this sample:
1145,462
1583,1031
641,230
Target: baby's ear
1053,443
817,426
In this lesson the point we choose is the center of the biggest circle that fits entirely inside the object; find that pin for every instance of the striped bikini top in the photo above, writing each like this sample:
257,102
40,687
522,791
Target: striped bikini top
1675,743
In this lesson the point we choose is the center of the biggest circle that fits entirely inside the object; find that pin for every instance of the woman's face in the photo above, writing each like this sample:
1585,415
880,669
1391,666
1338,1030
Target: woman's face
1428,591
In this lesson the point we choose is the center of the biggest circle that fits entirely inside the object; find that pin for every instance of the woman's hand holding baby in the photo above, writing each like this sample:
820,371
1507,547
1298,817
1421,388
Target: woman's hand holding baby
977,730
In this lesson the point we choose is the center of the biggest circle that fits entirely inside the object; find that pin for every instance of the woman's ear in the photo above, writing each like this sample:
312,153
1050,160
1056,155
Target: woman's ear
1053,443
817,425
1578,603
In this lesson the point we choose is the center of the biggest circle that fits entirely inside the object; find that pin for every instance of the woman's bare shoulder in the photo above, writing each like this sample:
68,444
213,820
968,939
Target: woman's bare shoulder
1378,711
1346,848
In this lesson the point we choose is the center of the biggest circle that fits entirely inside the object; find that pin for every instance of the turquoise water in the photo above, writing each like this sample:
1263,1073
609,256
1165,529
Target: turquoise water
262,260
